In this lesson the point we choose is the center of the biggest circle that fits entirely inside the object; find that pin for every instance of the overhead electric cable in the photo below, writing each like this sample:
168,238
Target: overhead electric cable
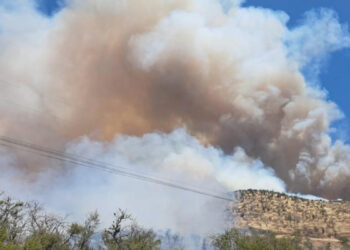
79,161
101,164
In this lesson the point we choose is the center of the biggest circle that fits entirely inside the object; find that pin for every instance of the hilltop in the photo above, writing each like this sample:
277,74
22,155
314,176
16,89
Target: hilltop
321,221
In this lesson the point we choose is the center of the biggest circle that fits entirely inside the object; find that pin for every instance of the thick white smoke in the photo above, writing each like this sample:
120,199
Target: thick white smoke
176,157
184,90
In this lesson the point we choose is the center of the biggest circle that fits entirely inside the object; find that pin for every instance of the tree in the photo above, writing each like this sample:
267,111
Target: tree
12,220
80,235
124,233
44,231
26,226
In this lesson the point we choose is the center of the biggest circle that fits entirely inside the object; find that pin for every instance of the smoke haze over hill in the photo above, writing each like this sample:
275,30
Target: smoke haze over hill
184,90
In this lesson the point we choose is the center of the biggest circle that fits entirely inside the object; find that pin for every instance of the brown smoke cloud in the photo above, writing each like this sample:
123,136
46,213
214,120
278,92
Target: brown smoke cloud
107,68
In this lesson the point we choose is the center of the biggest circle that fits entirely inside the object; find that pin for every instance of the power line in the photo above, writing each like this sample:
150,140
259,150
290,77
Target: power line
85,162
79,160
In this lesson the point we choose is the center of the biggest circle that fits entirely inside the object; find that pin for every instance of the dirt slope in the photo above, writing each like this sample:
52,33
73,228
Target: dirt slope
322,221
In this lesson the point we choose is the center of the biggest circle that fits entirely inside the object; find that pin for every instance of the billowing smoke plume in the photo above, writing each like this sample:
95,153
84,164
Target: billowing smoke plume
184,89
176,157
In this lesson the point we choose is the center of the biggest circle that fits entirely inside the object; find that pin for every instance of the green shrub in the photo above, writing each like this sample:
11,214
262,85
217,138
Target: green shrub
252,240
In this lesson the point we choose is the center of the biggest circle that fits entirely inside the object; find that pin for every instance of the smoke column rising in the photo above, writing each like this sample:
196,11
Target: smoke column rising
182,89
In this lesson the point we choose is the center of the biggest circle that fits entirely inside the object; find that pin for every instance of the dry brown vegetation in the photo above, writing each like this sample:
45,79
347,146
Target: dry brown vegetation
323,222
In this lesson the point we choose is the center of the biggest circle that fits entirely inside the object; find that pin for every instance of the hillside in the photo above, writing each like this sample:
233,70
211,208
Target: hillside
322,222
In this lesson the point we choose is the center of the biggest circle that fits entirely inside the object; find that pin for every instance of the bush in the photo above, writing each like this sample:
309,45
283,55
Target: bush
252,240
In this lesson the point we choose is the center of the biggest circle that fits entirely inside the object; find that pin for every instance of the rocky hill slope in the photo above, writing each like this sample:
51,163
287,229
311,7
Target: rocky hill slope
323,222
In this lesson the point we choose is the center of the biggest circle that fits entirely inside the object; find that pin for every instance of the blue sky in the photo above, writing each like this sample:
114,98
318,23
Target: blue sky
49,7
335,73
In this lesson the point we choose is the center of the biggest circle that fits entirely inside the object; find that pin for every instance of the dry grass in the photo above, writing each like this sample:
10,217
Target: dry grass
322,221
